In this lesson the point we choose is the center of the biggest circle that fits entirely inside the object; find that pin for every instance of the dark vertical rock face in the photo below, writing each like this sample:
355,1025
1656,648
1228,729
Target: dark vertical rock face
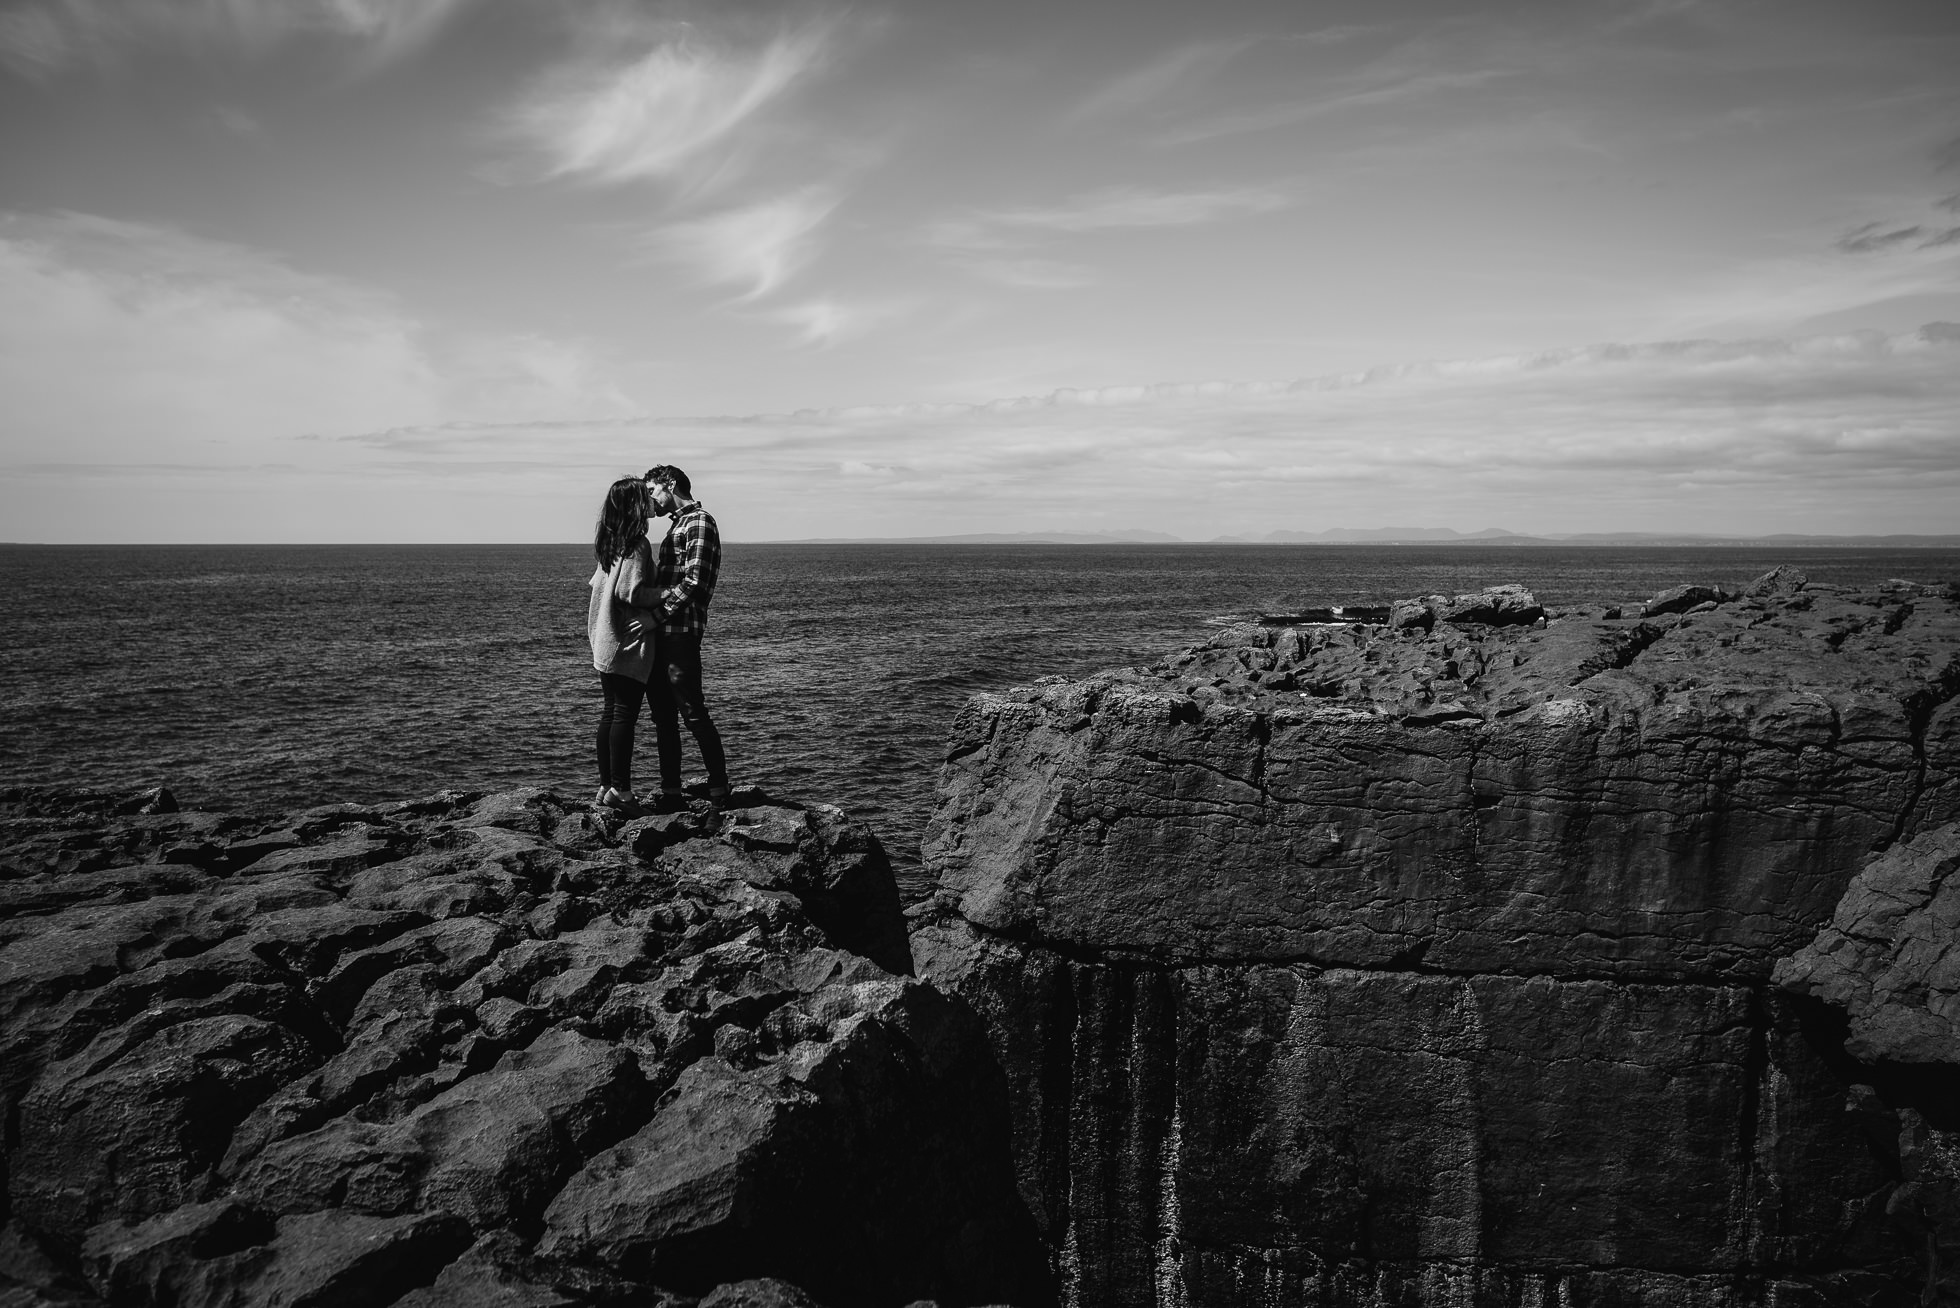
484,1050
1430,963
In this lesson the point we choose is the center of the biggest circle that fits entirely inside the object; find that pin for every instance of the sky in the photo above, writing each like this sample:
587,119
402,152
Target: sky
439,270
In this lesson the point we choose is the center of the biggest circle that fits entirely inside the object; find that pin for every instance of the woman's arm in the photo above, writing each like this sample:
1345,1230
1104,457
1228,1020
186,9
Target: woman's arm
634,586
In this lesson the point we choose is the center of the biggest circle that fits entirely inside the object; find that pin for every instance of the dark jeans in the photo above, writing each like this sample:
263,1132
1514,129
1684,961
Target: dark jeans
674,691
616,719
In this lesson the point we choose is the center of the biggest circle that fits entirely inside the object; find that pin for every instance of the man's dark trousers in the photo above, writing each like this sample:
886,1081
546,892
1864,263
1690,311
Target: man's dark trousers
674,693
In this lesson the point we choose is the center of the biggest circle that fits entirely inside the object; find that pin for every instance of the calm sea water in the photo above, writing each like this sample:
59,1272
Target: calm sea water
260,677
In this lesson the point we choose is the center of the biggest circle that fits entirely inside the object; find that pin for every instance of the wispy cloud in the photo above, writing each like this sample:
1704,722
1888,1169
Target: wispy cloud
995,244
826,322
1147,87
1872,238
1031,274
1119,207
1393,90
1174,78
39,39
662,109
757,247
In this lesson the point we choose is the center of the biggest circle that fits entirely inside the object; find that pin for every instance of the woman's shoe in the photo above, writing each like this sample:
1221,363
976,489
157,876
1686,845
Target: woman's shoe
625,802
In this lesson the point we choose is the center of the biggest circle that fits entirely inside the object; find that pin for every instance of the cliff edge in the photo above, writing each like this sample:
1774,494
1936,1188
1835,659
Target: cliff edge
1429,960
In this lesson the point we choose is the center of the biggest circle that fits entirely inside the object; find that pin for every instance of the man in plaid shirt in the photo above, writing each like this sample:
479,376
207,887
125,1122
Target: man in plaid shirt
684,576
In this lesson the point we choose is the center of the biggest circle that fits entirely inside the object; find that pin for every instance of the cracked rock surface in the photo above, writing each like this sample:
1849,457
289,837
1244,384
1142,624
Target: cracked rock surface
1430,961
480,1050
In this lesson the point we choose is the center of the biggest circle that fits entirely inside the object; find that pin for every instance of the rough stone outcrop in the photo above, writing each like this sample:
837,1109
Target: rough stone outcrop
483,1050
1430,962
1890,958
1887,968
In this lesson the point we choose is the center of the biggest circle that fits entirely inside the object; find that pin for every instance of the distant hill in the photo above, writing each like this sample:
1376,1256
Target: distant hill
1001,538
1387,534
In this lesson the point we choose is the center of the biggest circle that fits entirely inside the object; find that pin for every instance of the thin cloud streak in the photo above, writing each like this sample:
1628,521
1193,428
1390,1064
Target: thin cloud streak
1120,207
1869,238
1288,113
1148,86
995,245
601,119
1007,232
44,39
1031,274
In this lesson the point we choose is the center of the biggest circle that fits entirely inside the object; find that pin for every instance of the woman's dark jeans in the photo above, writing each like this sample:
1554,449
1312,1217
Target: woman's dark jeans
616,721
674,690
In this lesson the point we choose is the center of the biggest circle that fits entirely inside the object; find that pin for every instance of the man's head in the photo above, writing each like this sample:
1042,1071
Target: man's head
667,486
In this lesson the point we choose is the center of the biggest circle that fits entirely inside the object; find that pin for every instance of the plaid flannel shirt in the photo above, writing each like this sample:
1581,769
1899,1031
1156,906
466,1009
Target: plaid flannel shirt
685,573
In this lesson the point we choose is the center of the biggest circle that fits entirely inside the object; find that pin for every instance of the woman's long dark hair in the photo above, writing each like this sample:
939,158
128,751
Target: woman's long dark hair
622,521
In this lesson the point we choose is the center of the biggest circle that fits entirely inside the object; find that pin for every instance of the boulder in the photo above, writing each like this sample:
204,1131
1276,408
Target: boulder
1681,599
219,1254
1890,958
1783,579
763,1292
1494,606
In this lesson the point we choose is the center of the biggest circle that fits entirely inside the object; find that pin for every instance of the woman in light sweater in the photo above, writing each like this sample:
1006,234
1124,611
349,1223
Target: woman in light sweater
620,624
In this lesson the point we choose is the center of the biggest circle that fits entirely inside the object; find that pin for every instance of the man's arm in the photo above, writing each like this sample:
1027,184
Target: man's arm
696,554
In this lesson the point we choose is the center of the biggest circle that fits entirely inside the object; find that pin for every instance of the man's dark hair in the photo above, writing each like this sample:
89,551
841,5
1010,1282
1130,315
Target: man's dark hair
668,475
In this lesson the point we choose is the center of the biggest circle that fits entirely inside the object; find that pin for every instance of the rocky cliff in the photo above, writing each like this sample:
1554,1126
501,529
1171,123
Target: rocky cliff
1433,960
484,1050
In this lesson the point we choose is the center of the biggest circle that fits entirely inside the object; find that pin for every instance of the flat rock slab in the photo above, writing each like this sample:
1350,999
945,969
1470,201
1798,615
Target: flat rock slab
354,1054
1681,798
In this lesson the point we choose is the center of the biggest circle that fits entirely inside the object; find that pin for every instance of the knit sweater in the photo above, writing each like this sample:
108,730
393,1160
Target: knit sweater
620,598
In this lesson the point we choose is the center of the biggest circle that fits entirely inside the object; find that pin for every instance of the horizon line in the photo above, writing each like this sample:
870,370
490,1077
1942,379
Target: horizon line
1508,540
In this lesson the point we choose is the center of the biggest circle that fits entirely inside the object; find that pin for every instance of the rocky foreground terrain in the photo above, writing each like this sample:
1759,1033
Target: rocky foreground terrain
1475,955
483,1051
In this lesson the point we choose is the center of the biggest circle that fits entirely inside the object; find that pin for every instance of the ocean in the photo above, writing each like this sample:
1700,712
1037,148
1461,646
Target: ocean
271,677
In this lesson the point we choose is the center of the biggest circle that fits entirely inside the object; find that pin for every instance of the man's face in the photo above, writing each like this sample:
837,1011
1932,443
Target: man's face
661,497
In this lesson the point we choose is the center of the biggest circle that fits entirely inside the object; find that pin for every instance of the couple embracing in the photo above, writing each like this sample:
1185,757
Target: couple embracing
645,623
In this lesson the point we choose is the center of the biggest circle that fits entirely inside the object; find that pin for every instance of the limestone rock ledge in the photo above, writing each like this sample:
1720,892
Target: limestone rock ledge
1429,962
481,1050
